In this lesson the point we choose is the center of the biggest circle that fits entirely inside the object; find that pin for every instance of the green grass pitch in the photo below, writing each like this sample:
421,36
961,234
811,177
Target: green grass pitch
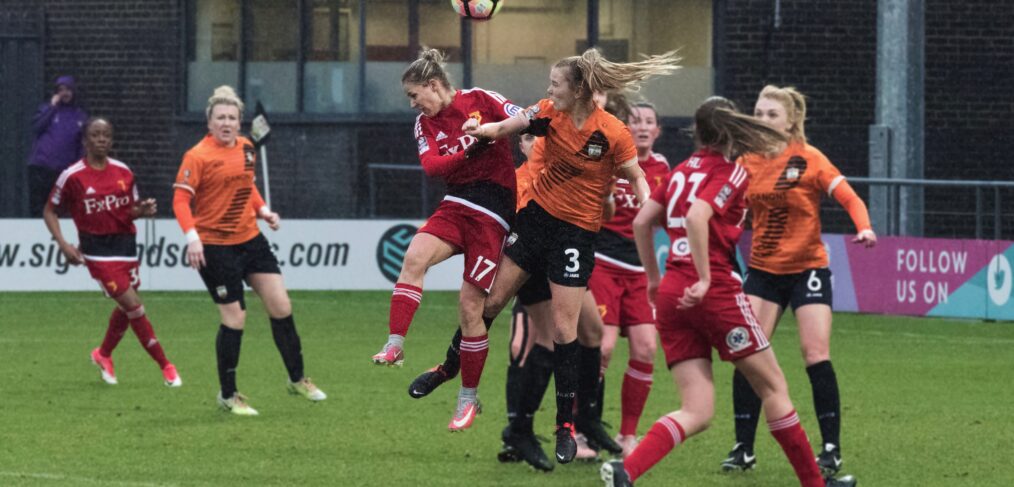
927,402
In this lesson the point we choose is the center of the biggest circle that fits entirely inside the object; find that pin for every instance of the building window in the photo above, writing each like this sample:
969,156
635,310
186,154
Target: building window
332,61
347,56
271,67
513,53
214,50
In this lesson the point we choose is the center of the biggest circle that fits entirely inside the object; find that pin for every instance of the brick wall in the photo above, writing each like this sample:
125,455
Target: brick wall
125,56
827,49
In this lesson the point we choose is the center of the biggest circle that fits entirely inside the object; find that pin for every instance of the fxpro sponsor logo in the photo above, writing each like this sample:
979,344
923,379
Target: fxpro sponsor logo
999,279
391,250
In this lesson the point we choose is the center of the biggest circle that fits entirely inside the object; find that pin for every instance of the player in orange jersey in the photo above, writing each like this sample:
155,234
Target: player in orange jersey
583,148
789,266
217,205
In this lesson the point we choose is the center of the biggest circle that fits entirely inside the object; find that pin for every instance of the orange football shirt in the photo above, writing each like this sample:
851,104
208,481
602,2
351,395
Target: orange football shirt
579,164
784,198
221,180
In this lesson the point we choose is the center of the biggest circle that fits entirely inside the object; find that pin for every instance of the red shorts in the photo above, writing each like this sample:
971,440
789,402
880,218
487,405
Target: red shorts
621,295
724,320
478,235
115,276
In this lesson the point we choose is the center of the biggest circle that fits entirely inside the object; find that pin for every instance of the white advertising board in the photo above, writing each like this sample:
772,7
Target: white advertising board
313,254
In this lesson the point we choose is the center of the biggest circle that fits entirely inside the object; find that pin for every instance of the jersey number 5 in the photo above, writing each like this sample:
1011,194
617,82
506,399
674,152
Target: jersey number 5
680,180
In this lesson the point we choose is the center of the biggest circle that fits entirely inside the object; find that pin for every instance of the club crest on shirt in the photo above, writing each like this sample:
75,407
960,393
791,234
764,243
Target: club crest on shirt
596,146
123,186
738,339
792,173
476,115
250,155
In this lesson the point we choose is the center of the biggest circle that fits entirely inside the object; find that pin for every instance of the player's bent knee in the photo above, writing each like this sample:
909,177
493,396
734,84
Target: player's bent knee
811,357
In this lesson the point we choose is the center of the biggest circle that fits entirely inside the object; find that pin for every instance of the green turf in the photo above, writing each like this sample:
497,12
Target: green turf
927,402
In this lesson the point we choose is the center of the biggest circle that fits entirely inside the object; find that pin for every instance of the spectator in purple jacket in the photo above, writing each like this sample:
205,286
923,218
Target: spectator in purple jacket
57,127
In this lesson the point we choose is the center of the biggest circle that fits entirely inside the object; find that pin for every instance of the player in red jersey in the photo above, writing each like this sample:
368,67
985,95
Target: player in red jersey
473,219
583,149
100,194
217,204
700,303
618,281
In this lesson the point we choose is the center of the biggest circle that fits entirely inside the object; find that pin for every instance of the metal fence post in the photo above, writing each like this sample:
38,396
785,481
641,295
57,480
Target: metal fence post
373,193
978,212
997,222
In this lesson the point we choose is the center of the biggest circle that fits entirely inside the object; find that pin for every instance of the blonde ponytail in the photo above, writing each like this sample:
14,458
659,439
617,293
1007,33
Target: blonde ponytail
596,73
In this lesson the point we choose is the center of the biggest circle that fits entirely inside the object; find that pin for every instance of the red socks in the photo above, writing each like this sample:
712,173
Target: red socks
118,324
146,335
633,395
473,359
663,436
404,301
792,438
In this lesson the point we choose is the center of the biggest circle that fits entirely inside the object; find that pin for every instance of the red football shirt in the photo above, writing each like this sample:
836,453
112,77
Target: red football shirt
708,176
655,168
441,136
99,201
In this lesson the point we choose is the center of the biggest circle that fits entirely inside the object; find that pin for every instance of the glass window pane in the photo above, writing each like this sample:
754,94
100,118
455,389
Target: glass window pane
214,55
332,62
513,53
271,63
632,27
388,51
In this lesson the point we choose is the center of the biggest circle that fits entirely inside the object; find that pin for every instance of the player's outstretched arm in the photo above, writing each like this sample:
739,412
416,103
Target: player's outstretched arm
496,130
857,211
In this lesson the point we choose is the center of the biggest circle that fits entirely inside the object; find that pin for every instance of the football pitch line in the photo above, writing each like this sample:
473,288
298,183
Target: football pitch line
55,477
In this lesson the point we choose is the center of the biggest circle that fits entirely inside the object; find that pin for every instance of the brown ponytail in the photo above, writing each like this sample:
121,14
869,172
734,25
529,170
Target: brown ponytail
719,125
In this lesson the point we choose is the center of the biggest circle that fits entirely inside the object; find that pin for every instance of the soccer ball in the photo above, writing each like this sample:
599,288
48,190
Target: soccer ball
477,9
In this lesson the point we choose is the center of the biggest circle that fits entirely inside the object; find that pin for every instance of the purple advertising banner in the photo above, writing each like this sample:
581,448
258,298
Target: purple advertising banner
920,276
